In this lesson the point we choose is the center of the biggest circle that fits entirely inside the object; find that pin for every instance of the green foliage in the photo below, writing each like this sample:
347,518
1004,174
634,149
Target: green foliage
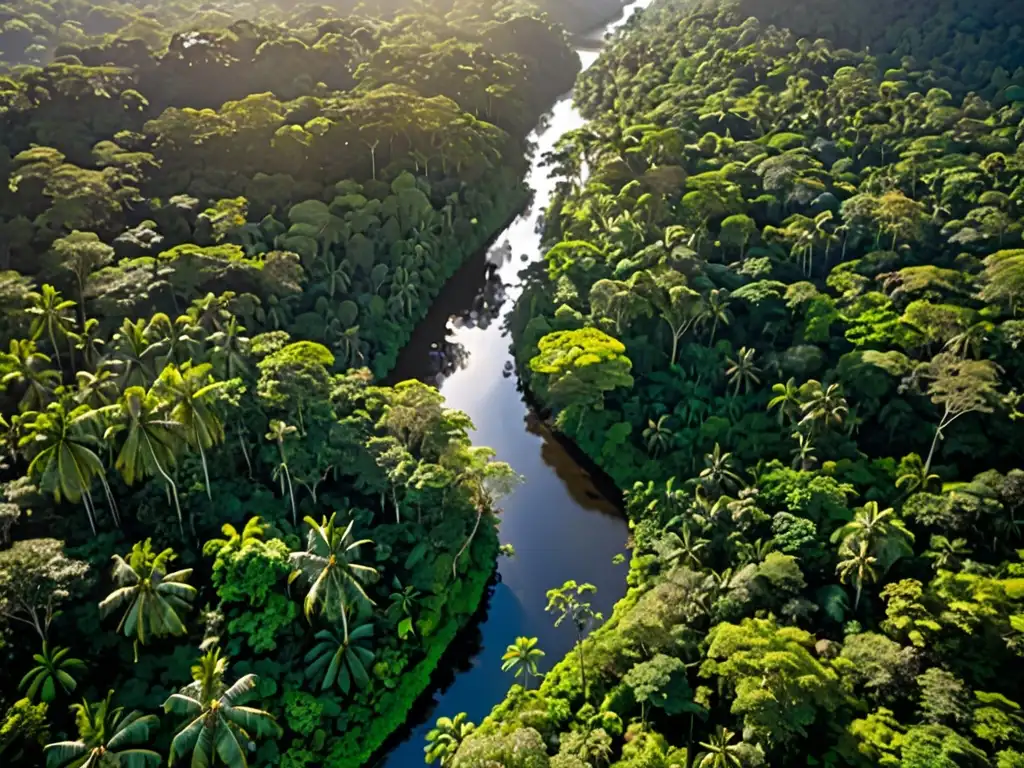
662,683
52,673
798,688
581,366
24,729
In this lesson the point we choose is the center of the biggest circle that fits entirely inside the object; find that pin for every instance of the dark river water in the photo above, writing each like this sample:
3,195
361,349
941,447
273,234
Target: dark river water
559,522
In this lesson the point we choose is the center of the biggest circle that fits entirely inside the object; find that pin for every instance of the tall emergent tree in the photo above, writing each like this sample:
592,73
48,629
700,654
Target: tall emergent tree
36,577
566,603
958,387
580,367
522,656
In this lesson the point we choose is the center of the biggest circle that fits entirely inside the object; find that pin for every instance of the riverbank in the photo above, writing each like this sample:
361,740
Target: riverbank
358,748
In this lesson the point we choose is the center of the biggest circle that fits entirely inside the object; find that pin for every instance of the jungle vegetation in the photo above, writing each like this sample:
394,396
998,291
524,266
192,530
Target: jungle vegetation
781,307
33,32
222,540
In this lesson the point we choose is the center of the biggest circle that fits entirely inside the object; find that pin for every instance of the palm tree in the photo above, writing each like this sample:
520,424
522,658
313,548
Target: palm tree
276,312
133,353
154,598
279,432
403,291
718,472
90,342
97,389
210,312
915,477
522,656
787,401
191,393
720,752
444,739
106,737
217,723
63,462
947,555
715,310
173,340
52,316
887,536
658,436
685,548
151,443
328,565
230,347
335,275
858,567
348,345
402,602
804,456
341,660
823,407
12,432
53,669
25,367
757,551
742,372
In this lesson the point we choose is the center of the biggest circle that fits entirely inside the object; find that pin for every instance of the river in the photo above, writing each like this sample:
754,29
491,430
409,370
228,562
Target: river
559,522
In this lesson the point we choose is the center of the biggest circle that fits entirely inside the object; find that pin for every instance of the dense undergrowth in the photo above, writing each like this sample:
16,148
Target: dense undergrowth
781,307
215,235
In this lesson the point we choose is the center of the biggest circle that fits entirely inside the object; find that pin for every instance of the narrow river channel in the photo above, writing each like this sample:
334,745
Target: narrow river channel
559,522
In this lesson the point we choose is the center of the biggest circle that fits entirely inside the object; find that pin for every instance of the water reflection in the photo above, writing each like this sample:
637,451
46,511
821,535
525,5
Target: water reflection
569,466
474,298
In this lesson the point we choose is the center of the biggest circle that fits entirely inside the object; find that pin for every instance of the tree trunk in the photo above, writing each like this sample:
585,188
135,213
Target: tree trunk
202,458
291,495
583,668
714,330
81,301
245,453
931,451
170,485
114,513
56,354
87,503
689,744
40,629
465,545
